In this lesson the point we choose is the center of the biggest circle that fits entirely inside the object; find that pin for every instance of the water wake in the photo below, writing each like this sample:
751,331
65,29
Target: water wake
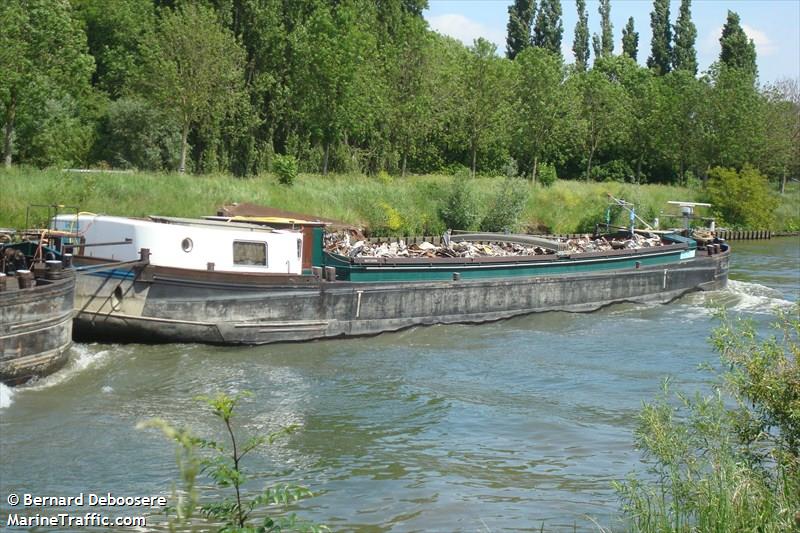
754,298
6,396
82,358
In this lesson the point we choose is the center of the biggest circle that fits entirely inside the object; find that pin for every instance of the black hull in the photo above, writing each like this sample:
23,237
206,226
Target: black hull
35,330
159,306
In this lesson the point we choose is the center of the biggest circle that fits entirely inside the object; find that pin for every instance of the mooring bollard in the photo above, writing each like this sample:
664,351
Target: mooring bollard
67,260
3,278
456,276
330,274
25,279
316,272
54,269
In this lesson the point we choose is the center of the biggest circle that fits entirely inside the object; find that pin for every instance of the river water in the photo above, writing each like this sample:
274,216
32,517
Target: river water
498,427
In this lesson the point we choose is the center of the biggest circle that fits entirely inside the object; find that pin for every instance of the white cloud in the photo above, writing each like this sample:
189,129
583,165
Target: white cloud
764,46
465,30
710,43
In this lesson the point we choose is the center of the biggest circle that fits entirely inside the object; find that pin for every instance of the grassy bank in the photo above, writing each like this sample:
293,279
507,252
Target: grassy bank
388,205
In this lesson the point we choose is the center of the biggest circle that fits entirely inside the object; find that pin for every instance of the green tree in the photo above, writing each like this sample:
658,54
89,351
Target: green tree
548,29
738,50
597,47
42,57
660,43
518,29
113,37
630,40
540,107
132,134
329,54
604,44
410,96
742,198
263,29
732,119
782,127
684,56
642,103
604,113
192,65
680,118
483,97
580,44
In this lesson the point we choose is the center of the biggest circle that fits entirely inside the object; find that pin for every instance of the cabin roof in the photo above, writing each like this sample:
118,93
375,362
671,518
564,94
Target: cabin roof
194,222
220,224
274,215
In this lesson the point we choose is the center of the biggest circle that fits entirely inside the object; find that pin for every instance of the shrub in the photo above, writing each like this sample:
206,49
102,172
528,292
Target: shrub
383,219
730,460
285,166
506,206
546,174
394,221
510,168
613,171
593,214
384,177
741,198
54,134
132,134
236,512
460,209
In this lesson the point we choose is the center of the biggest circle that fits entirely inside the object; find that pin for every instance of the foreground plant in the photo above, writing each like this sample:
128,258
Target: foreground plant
237,512
728,461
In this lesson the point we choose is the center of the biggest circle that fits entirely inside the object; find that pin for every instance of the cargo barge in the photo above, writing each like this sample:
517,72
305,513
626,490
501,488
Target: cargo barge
36,309
230,281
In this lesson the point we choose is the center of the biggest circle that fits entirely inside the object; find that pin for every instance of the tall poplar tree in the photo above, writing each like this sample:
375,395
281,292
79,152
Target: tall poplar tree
660,44
597,47
630,40
604,44
684,56
549,28
520,18
738,50
580,45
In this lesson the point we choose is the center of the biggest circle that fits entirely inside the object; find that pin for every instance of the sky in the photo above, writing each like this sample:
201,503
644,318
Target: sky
773,25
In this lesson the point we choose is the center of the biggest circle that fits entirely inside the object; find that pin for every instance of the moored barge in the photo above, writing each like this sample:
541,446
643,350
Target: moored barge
224,282
36,309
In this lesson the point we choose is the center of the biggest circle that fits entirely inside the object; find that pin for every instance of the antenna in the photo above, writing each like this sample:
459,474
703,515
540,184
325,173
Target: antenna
687,211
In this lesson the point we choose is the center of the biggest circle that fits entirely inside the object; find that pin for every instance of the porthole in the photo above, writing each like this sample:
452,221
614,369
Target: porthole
187,244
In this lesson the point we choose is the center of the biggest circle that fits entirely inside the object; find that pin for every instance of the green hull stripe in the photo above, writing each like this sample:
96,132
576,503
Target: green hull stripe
484,271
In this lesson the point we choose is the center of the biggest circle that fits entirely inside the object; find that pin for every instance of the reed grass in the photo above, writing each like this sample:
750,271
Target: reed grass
403,205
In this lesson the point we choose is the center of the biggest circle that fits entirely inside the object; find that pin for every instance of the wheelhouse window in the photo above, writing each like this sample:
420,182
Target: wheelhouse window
249,253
